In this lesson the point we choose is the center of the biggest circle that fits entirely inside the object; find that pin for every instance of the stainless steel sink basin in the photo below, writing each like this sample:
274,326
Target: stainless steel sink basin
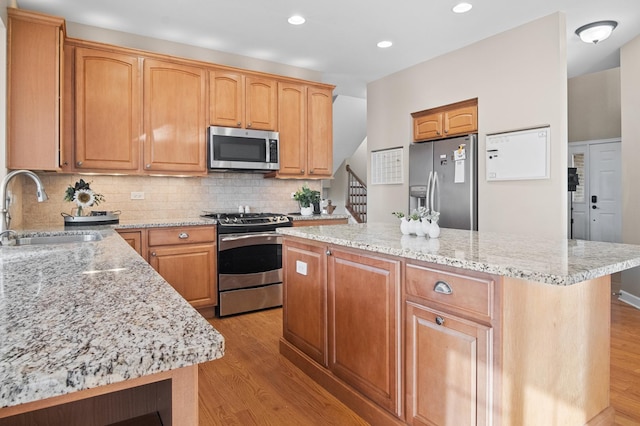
58,239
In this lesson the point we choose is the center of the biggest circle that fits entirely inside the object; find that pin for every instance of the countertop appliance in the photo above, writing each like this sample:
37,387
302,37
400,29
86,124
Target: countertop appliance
243,149
249,261
443,176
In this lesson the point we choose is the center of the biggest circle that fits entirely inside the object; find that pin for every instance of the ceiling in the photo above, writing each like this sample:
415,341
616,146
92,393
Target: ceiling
340,36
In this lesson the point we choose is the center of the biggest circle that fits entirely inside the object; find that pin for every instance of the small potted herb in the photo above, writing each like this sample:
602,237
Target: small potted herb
306,198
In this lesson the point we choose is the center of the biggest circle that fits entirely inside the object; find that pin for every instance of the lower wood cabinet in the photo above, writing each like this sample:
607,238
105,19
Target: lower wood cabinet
364,324
184,256
448,366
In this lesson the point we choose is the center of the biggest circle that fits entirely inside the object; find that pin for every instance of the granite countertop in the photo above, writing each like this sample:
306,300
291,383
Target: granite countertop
296,217
75,316
550,261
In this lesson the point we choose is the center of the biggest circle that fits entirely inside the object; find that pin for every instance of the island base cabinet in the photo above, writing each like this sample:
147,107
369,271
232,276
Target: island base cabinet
305,299
447,369
364,325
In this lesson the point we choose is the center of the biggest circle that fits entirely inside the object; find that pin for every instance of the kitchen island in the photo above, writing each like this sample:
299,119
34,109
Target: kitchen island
471,328
91,334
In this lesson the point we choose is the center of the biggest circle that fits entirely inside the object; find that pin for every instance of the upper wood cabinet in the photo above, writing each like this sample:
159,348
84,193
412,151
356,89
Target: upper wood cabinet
451,120
236,100
34,90
306,132
174,117
107,110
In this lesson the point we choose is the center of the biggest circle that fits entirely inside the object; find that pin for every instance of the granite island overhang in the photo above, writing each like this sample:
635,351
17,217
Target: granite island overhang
540,309
81,320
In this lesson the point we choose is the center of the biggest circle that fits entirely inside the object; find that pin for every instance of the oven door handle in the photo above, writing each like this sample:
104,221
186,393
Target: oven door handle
249,236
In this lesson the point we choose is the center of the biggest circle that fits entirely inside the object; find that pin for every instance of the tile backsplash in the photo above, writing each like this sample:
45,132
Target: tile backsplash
164,197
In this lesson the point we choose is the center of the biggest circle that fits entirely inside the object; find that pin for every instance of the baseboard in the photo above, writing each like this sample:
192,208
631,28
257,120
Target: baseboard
629,299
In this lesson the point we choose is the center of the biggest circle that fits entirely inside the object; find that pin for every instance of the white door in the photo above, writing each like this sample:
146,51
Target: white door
597,203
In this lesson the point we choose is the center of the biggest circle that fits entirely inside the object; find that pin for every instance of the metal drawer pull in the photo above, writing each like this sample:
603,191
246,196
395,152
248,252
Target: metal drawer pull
183,236
439,320
442,288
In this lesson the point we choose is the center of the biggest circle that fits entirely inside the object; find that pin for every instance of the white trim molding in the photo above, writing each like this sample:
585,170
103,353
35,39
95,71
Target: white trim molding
629,299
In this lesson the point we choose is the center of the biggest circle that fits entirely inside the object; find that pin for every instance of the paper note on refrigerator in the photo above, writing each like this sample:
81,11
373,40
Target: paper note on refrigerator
459,156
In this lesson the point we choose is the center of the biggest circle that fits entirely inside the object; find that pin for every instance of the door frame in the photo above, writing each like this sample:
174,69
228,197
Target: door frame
585,145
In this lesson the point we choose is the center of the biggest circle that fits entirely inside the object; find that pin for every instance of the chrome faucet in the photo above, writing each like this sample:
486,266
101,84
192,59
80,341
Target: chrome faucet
40,194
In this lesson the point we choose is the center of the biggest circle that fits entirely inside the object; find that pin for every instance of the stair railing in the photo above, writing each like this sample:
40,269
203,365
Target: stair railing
356,197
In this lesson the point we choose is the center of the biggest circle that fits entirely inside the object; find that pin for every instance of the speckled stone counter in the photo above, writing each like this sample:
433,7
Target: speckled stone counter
76,316
318,217
558,262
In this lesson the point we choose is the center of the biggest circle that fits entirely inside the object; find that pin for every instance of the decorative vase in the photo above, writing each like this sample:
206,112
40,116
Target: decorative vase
413,226
405,227
76,211
426,226
434,230
418,229
306,211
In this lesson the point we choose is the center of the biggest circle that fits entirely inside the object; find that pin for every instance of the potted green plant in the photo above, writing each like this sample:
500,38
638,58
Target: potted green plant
306,198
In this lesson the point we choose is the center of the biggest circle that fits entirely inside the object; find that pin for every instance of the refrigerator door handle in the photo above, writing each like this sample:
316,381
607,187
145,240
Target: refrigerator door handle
435,192
427,198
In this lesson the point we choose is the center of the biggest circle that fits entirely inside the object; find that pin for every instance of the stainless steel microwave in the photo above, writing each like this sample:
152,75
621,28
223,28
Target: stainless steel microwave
243,149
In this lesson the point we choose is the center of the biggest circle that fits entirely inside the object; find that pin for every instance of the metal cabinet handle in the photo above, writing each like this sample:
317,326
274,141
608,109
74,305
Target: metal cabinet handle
439,320
442,288
249,125
239,123
153,253
79,163
328,252
148,166
183,235
301,170
311,171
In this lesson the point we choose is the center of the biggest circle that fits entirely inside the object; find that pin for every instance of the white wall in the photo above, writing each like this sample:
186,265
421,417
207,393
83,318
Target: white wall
630,100
594,106
520,80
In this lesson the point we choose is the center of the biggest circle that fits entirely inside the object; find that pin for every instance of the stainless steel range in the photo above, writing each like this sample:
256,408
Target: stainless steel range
249,261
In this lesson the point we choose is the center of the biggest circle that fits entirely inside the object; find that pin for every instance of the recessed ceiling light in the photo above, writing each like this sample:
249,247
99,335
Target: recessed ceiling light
296,20
385,44
462,7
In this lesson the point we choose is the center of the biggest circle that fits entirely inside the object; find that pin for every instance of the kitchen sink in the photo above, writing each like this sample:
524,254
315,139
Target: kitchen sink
58,239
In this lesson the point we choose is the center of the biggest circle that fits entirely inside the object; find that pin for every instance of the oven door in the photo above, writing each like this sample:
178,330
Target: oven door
249,260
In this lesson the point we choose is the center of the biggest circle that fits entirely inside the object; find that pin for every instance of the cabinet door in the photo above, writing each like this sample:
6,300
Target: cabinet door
305,298
34,76
108,114
292,127
364,331
461,121
174,117
133,238
319,132
261,102
427,127
226,98
190,269
447,369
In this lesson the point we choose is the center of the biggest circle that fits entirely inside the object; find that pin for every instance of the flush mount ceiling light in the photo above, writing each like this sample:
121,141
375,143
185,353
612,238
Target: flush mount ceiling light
462,7
296,20
385,44
596,31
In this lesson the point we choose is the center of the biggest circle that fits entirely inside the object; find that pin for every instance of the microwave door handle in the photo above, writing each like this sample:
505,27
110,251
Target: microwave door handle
427,197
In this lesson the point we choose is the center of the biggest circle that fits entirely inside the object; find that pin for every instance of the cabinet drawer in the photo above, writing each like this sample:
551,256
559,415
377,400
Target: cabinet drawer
463,293
181,235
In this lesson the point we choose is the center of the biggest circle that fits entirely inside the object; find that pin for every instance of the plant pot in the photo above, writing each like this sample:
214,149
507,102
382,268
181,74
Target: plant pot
306,211
404,227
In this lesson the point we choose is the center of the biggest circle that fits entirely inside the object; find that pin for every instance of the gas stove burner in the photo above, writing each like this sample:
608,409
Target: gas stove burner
249,220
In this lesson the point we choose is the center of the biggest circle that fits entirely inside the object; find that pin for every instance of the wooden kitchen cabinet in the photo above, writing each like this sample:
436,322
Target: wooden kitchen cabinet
134,239
186,259
305,298
244,101
108,110
306,131
451,120
174,117
34,90
448,347
364,326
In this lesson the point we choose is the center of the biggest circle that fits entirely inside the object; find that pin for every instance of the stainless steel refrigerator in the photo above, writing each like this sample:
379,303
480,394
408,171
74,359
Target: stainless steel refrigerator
443,176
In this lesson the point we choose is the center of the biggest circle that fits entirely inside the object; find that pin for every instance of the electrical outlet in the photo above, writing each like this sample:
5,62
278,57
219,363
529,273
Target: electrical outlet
137,195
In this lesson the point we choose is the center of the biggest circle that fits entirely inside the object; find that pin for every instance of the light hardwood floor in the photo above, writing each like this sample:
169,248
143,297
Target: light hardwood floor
253,385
